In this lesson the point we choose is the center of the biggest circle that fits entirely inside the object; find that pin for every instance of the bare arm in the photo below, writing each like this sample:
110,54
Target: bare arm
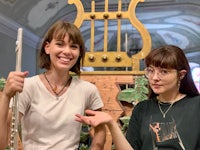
118,137
96,118
98,140
4,121
14,83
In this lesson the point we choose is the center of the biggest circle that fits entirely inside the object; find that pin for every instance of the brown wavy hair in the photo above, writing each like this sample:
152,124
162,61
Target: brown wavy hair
58,31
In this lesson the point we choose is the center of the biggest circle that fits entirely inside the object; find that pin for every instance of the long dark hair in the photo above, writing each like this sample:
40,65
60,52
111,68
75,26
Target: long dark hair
58,31
172,57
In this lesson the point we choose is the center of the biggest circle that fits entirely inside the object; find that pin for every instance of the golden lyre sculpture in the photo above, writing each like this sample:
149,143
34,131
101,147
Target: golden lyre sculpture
108,81
115,58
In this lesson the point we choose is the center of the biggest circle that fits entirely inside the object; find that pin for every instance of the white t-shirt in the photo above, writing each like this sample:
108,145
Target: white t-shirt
49,123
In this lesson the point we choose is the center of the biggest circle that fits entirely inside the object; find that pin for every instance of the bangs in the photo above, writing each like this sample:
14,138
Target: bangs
59,34
74,35
163,59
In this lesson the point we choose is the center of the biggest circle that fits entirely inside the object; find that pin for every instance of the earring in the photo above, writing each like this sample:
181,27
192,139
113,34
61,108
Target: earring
179,83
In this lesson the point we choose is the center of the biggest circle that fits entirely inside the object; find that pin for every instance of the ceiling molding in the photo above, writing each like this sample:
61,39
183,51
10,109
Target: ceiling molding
10,28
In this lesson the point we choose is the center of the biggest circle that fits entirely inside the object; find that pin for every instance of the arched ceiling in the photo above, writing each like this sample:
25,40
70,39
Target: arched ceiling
174,22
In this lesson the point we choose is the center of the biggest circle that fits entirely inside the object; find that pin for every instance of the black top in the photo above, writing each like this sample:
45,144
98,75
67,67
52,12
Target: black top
179,130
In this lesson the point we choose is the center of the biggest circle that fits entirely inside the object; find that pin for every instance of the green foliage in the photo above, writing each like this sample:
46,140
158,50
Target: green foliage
84,138
84,147
2,83
125,123
138,93
84,133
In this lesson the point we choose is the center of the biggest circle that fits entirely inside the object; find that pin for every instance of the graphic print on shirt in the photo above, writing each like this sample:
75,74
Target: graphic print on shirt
165,135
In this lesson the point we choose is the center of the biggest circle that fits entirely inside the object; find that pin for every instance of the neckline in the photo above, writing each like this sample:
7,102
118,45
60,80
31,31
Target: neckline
57,94
168,105
179,98
50,93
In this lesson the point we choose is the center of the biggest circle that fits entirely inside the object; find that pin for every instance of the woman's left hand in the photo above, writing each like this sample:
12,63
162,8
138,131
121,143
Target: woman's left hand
94,118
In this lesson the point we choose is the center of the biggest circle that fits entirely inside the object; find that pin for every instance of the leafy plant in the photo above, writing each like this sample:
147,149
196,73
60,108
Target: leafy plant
2,83
136,94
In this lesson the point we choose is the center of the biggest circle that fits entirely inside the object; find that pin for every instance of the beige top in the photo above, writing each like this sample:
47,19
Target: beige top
48,123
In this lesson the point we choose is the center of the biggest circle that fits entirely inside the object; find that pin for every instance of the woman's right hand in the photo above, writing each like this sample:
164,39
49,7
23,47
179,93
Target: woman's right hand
14,83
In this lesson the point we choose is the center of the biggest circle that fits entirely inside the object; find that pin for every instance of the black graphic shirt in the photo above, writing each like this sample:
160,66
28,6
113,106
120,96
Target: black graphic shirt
179,129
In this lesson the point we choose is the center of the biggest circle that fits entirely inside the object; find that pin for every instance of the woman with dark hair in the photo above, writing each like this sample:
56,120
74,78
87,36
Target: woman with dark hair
48,101
172,57
170,119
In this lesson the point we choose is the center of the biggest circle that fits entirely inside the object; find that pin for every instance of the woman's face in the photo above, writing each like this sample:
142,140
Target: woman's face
63,53
162,80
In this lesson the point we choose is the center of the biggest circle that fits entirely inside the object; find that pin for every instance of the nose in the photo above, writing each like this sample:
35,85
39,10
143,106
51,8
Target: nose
155,75
67,49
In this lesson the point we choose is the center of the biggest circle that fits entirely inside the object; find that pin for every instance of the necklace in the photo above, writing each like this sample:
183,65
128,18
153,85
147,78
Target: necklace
164,113
178,97
54,89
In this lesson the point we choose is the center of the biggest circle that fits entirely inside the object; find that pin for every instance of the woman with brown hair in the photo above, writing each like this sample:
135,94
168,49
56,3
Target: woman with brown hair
49,101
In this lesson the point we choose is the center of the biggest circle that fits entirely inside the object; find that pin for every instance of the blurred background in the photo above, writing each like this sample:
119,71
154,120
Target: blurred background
175,22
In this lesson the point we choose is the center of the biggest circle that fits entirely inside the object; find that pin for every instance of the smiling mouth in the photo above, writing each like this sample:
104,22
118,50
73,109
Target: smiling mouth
63,59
